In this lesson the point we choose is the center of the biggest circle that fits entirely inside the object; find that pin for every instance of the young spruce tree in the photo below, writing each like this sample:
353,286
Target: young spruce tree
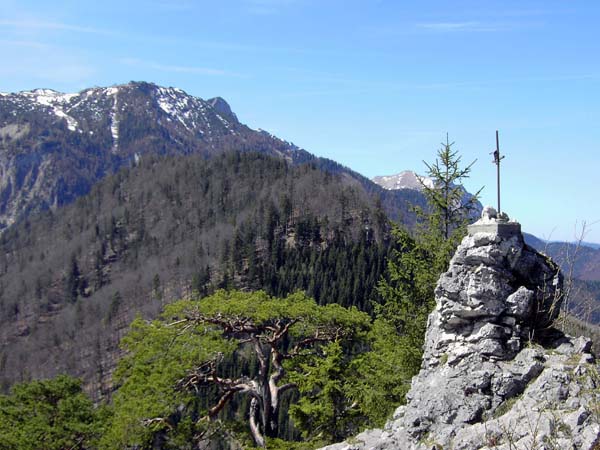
407,290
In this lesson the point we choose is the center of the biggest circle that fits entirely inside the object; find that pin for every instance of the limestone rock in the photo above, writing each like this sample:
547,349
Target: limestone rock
489,213
493,376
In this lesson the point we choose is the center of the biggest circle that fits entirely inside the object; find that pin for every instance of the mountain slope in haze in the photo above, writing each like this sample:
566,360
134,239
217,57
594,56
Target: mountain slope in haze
581,265
54,147
72,280
582,260
593,245
409,181
586,260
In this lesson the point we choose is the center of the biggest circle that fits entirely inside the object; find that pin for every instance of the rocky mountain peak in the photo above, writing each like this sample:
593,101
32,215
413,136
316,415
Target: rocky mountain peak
494,372
406,179
222,107
55,146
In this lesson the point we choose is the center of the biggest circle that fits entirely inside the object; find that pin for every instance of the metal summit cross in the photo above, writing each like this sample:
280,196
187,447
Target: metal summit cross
501,225
497,159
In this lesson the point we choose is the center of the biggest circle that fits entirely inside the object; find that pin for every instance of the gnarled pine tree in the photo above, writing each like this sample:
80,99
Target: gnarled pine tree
173,363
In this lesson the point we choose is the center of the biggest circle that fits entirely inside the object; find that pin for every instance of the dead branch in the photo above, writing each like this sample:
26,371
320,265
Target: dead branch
158,420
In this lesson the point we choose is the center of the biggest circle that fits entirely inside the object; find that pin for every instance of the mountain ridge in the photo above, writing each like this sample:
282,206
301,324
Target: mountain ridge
55,146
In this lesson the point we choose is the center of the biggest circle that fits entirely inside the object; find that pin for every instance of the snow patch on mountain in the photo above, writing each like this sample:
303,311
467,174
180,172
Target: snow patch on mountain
410,180
114,124
178,106
190,114
71,123
49,97
56,101
223,121
195,114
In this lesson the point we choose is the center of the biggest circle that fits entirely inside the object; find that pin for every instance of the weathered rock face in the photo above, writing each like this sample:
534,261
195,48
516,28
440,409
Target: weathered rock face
494,375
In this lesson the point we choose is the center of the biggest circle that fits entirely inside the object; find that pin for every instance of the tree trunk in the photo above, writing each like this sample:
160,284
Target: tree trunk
268,415
268,422
258,437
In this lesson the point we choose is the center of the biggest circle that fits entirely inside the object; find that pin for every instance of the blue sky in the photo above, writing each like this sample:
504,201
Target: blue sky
373,84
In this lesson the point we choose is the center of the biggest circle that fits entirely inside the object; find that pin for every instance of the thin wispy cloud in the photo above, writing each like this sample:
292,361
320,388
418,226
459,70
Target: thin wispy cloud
254,7
267,7
173,68
234,47
37,25
507,81
23,43
50,70
71,73
174,5
471,26
368,87
486,12
444,27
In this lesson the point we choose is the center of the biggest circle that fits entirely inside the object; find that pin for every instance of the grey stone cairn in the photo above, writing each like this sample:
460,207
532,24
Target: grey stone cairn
495,374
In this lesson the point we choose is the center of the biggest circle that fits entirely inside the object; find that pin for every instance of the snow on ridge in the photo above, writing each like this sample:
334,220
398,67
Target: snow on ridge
71,123
41,92
410,180
222,120
66,98
49,97
404,180
114,124
277,138
225,122
55,101
194,113
180,106
428,182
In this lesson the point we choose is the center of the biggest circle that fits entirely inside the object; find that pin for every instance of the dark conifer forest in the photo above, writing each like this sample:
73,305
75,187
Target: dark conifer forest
72,280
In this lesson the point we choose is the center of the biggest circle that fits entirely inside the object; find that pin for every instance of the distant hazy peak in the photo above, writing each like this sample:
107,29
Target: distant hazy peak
403,180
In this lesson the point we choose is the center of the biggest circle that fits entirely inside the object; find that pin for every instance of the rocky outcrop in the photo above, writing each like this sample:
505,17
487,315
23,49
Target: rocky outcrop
222,107
495,375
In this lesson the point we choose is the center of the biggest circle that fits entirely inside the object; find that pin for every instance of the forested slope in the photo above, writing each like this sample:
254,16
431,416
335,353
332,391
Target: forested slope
72,280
